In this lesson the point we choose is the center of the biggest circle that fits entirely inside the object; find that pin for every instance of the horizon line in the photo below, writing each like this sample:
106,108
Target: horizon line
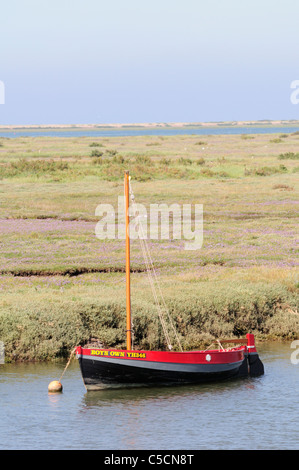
149,124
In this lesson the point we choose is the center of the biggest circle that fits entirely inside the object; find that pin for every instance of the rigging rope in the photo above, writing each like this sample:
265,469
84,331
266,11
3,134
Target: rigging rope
152,275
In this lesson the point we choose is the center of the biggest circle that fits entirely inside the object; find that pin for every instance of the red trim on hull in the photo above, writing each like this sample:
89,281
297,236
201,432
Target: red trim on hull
215,356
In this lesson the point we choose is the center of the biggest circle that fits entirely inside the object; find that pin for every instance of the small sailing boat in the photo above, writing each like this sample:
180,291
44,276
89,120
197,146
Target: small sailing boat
105,368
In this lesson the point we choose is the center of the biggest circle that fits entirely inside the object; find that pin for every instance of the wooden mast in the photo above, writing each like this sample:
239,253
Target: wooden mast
128,286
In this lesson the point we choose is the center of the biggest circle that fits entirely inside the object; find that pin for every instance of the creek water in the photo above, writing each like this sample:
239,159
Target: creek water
142,131
251,413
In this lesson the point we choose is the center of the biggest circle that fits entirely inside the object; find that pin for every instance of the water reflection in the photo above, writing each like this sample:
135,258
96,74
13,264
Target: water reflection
255,413
55,399
110,397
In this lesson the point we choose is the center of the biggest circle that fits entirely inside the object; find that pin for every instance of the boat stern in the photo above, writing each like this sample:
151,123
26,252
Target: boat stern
255,365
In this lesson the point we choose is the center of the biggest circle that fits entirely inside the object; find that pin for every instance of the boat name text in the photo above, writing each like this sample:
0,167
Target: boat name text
100,352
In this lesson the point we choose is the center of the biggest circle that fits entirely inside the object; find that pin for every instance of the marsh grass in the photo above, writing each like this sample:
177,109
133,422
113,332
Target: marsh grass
39,167
266,170
60,285
175,157
51,319
289,156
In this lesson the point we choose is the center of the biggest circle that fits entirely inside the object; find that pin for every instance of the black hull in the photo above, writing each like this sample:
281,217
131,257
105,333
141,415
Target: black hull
98,374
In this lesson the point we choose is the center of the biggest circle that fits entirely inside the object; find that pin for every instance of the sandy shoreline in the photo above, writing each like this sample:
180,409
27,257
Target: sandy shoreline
152,125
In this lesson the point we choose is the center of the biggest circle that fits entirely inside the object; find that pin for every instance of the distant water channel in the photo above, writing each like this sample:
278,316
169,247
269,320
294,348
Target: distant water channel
260,413
142,131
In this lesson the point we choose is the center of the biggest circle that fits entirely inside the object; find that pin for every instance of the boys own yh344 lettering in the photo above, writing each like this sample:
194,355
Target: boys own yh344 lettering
110,353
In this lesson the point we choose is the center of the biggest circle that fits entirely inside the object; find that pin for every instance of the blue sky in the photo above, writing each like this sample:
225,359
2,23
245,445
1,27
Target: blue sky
72,62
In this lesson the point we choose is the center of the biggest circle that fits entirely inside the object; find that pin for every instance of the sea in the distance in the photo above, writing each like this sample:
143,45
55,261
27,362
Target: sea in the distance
143,131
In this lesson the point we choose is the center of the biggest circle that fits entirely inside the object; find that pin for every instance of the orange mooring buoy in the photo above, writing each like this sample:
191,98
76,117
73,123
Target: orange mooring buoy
55,386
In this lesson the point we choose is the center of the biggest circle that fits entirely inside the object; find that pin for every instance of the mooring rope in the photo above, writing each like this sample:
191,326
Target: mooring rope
68,362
